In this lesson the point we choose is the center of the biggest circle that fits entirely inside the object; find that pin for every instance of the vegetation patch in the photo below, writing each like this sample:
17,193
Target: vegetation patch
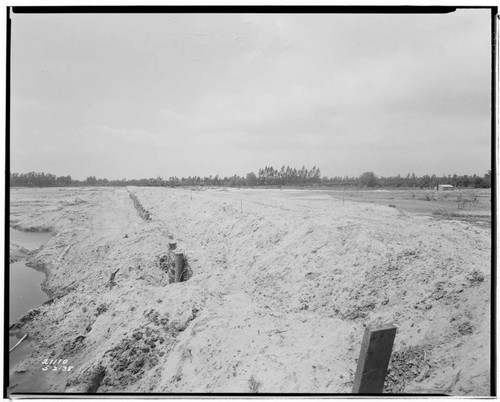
406,365
253,385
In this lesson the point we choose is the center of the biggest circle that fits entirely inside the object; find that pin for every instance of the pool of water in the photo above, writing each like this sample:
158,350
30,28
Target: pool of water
29,240
25,293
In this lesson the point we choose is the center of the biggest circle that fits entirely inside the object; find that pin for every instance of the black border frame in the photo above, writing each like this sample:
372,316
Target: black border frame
258,9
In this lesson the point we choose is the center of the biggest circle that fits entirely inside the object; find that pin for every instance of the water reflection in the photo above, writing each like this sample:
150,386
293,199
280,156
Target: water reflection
25,293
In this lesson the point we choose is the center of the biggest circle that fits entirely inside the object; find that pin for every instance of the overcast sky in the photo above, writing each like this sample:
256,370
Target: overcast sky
132,96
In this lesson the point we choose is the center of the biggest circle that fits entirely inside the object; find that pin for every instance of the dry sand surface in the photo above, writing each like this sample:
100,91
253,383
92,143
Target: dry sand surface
283,283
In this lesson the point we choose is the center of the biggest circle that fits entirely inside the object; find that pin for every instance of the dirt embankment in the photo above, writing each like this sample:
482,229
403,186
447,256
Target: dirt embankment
283,284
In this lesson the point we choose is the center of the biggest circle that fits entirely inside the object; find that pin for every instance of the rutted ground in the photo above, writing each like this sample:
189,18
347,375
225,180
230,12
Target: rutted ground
282,287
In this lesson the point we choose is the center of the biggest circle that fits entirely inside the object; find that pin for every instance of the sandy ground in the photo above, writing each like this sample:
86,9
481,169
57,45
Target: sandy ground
283,284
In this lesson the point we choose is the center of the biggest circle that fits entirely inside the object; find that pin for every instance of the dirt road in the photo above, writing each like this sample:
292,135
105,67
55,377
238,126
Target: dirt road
283,284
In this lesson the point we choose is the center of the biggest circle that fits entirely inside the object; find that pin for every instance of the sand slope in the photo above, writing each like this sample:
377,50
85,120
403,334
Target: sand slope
283,284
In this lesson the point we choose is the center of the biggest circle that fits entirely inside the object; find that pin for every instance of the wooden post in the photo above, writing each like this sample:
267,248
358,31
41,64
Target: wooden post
374,357
179,266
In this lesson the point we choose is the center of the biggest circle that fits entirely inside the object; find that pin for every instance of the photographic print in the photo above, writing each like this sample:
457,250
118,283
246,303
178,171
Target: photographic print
250,201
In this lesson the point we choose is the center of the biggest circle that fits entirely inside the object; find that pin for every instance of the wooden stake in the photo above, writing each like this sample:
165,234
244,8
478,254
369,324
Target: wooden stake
18,343
374,357
179,266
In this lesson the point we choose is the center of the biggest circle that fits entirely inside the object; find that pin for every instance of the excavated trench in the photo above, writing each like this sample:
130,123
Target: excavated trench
143,213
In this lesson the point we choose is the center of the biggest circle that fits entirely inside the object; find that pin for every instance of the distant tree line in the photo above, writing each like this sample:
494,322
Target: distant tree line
369,179
268,176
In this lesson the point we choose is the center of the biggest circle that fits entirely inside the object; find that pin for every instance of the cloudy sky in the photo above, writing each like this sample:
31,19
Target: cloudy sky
131,96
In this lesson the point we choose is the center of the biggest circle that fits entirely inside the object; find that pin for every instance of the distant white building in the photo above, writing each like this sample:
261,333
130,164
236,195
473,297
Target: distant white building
444,187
